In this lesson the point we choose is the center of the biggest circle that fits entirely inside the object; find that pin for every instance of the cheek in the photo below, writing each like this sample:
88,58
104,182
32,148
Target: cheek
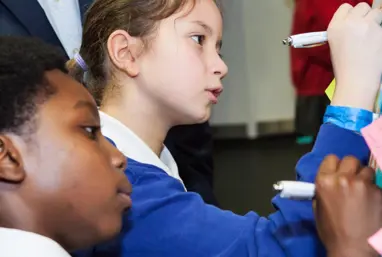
185,72
189,64
83,187
88,175
75,170
52,163
175,75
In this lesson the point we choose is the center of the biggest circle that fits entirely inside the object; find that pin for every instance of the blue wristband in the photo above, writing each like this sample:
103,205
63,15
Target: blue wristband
353,119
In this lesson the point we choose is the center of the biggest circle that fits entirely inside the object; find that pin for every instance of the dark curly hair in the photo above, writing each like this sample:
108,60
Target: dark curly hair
23,86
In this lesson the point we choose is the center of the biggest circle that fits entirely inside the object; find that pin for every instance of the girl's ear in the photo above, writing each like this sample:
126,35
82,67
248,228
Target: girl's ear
123,51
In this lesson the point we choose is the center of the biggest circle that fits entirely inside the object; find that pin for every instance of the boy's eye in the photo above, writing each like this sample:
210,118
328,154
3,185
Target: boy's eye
199,39
91,131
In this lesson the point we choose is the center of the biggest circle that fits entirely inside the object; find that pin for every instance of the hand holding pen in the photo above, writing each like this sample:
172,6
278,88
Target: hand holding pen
347,206
314,39
333,176
346,201
355,38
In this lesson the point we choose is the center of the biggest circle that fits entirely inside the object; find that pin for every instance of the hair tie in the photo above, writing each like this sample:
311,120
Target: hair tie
80,61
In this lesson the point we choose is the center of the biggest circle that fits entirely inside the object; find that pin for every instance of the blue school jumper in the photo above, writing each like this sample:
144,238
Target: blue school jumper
165,221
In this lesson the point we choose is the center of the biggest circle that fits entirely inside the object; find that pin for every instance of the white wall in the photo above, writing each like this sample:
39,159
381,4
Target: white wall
258,86
233,106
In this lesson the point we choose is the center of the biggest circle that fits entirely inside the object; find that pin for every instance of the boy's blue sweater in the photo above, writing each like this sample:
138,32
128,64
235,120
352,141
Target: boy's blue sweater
165,221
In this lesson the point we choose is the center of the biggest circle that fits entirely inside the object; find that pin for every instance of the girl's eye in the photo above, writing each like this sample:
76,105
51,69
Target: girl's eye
199,39
92,132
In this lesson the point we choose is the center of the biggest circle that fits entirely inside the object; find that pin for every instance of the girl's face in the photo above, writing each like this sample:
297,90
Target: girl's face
182,70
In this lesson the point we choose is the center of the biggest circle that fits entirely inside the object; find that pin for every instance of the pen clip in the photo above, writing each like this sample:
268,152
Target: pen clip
308,45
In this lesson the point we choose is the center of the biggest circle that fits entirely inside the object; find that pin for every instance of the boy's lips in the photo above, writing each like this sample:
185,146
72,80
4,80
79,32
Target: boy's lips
124,194
125,200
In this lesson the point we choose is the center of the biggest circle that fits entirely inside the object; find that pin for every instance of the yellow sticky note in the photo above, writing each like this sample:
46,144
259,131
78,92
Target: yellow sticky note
330,90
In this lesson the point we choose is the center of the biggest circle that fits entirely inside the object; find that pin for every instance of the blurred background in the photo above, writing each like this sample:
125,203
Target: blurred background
253,124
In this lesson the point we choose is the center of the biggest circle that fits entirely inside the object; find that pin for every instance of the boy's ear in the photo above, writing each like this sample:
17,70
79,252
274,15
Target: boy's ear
11,168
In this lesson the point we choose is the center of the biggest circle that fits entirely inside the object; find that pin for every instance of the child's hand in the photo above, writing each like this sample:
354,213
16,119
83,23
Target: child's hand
348,207
355,39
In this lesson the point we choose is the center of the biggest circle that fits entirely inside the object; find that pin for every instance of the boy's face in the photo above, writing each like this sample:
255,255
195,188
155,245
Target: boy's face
70,184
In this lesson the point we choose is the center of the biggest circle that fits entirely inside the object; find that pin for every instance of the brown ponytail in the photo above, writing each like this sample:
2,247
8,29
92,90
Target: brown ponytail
75,70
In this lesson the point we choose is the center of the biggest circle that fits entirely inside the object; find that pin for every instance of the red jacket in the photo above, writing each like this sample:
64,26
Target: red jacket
311,68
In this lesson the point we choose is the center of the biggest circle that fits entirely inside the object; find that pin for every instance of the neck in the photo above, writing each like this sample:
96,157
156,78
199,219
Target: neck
141,116
26,214
15,214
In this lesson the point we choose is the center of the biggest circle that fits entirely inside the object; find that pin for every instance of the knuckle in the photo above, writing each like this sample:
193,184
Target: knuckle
360,185
368,170
350,160
346,5
332,157
325,182
363,5
343,182
330,162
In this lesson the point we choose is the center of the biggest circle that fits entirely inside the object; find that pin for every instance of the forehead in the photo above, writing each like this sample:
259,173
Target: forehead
69,91
204,11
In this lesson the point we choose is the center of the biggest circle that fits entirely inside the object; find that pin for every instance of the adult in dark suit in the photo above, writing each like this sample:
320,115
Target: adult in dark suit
27,18
191,146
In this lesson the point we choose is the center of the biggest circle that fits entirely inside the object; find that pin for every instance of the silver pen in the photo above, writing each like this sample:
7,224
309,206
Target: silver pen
307,40
295,190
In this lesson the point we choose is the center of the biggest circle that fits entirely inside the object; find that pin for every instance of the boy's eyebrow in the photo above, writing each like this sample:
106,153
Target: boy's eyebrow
88,105
209,30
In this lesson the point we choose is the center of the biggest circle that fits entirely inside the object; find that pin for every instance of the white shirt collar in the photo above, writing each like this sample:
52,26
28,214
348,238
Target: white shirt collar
18,243
65,18
133,147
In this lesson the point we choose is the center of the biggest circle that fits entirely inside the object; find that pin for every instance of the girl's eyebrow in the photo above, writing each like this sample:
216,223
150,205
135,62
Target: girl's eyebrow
206,27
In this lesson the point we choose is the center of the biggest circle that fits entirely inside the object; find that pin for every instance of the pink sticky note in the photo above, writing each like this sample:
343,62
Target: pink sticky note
373,138
376,241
